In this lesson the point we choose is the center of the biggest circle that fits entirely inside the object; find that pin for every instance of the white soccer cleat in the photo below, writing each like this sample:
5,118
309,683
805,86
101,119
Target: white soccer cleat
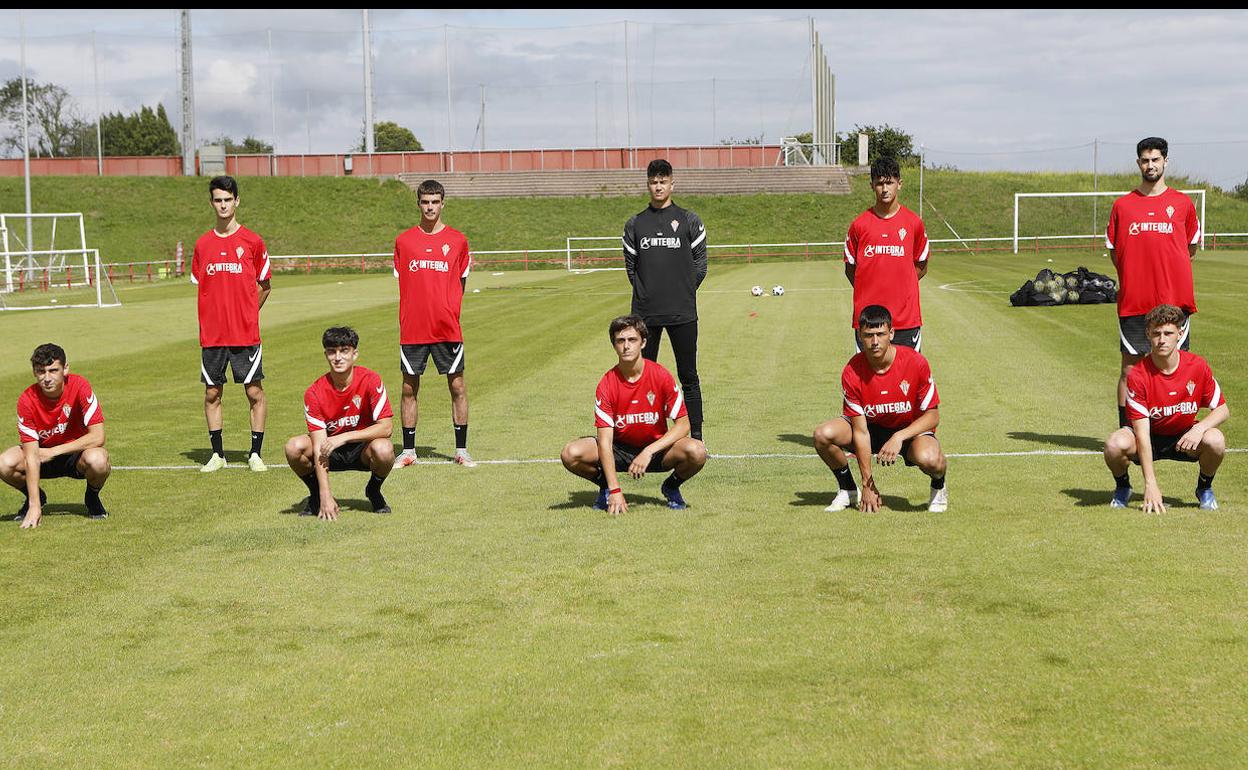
939,503
406,457
215,463
256,464
844,499
462,458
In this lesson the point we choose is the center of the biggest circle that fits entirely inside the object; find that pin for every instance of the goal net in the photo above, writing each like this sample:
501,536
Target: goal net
46,264
1074,217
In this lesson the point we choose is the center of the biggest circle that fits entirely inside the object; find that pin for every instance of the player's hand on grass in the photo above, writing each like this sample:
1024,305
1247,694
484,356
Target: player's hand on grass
888,453
1190,441
869,501
637,468
329,508
1152,499
616,504
33,514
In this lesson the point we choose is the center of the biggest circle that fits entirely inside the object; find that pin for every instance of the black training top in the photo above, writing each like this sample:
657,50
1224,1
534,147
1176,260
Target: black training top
665,256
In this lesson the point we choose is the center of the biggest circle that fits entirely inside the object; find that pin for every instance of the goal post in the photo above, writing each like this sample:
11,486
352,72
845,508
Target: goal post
67,283
598,257
1019,197
48,247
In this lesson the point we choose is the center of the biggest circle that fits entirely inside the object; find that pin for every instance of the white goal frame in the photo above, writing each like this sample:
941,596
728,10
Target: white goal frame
90,263
1019,196
618,249
27,258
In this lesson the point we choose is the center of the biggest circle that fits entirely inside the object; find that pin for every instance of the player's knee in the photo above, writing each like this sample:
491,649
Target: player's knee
96,461
570,456
11,466
1215,440
382,450
212,395
1119,443
825,435
694,452
297,447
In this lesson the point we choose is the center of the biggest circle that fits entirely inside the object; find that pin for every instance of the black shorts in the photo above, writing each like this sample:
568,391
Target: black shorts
911,338
246,362
625,454
349,457
447,356
880,436
1164,449
61,466
1133,339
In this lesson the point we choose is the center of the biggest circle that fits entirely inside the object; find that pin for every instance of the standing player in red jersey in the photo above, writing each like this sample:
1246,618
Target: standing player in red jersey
890,409
61,427
1165,391
632,405
431,262
886,256
231,268
349,427
1152,237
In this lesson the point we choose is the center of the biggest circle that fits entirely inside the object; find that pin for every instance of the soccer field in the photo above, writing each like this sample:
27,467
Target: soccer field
494,620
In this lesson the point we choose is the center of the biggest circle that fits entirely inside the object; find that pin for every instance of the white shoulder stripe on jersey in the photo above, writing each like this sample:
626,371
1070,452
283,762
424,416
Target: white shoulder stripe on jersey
1136,405
855,407
94,405
849,255
1217,395
265,269
255,365
1195,236
699,239
194,280
931,393
680,401
395,270
1108,243
608,419
313,421
628,248
381,404
926,248
467,268
27,431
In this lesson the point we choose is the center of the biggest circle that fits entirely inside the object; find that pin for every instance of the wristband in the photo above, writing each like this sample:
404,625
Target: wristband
615,491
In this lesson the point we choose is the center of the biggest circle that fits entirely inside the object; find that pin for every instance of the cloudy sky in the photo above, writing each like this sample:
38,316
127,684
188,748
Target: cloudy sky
980,89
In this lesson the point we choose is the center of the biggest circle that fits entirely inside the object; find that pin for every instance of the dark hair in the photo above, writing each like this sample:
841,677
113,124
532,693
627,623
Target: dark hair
340,336
431,187
46,354
1162,315
225,183
885,166
627,322
875,315
658,167
1153,143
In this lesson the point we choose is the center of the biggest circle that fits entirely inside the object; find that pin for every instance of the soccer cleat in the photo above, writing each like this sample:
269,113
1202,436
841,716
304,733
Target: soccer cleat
256,464
96,512
310,509
845,498
601,503
376,499
1207,501
939,502
462,458
215,463
25,507
674,499
1122,497
406,457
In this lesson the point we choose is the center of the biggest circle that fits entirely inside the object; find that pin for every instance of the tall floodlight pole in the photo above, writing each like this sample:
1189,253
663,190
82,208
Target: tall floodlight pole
369,142
714,130
450,111
922,163
628,99
99,114
1096,179
30,231
188,99
482,116
272,105
814,93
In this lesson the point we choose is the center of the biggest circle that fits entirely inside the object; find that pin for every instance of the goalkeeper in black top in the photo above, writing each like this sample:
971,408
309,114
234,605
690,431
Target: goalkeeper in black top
665,256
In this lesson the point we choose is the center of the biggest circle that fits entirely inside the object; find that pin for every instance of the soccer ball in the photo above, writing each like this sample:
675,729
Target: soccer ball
757,291
777,290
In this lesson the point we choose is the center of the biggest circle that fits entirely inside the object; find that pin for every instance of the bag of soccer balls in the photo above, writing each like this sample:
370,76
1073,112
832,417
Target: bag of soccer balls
1078,287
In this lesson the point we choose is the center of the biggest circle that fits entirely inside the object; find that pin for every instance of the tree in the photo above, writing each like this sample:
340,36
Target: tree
56,124
389,136
1241,190
749,140
144,132
249,146
882,140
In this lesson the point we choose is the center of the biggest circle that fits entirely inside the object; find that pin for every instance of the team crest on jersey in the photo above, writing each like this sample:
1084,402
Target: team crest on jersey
1191,387
901,233
650,397
446,249
905,387
65,409
239,252
675,225
356,401
1170,212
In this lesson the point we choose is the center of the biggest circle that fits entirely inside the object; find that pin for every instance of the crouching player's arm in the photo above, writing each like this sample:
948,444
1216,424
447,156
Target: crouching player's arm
1144,452
34,455
869,502
616,504
1190,441
891,450
678,430
323,445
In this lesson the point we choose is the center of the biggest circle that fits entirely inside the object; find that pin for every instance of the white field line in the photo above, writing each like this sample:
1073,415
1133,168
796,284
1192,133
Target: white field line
761,456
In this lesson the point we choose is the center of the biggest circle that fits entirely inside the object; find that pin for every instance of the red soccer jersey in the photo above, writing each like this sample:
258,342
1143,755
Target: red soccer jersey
52,423
431,270
1150,236
884,253
893,399
226,268
363,403
1171,401
639,410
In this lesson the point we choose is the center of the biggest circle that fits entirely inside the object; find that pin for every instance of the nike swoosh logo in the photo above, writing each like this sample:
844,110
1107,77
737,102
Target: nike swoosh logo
252,357
381,388
459,348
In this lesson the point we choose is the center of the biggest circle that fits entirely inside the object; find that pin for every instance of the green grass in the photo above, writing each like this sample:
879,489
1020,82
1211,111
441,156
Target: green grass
142,219
494,620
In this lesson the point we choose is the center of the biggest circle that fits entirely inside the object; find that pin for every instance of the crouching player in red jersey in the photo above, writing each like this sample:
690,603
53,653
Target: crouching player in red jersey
890,410
1165,391
349,426
61,427
632,405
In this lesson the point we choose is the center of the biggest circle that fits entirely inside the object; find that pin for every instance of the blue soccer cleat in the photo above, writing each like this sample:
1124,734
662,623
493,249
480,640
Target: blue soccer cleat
601,503
674,499
1206,499
1122,496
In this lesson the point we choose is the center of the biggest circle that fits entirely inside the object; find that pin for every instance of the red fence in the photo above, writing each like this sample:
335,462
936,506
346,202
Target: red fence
391,163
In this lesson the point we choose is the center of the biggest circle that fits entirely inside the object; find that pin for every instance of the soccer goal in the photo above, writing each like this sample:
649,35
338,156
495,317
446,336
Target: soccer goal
47,264
584,257
1077,205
